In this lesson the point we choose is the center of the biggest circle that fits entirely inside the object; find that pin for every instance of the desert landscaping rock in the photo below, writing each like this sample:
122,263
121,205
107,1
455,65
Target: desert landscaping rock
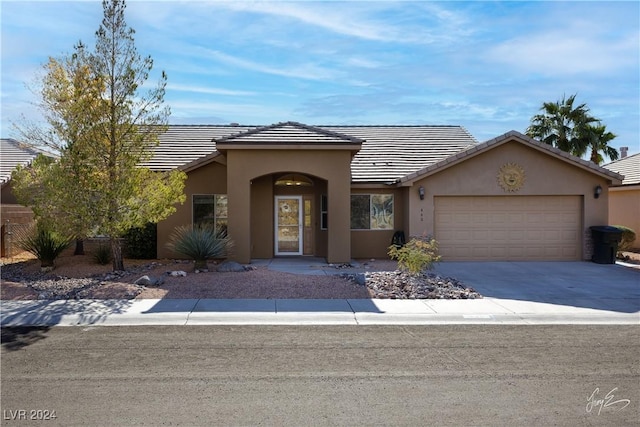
149,281
177,273
230,267
402,285
80,278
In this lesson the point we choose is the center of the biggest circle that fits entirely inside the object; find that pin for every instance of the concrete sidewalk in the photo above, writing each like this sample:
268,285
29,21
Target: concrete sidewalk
514,293
303,312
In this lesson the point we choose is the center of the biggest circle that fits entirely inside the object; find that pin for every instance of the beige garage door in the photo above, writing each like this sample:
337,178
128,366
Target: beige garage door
509,228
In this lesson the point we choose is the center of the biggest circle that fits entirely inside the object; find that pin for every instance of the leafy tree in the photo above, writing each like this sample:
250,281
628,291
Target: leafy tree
67,92
105,128
563,125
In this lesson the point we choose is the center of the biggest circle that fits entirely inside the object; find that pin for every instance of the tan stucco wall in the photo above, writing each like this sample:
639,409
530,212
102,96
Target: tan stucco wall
624,209
248,179
208,179
245,166
477,176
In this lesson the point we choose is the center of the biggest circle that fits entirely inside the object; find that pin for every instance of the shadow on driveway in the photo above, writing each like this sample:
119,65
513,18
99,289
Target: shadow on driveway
607,287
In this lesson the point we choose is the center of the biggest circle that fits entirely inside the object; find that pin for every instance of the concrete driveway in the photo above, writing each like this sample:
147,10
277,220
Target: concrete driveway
579,284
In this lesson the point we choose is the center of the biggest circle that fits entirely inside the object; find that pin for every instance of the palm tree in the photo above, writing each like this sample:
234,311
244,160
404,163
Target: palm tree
562,125
599,143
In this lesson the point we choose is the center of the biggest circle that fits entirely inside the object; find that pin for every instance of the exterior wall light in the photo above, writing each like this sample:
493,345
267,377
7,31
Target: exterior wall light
421,192
597,191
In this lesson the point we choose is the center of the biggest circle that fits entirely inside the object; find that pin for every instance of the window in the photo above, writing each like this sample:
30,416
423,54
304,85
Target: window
372,212
211,209
324,212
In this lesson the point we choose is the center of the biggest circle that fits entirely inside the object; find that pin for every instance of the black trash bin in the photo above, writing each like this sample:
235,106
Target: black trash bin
605,243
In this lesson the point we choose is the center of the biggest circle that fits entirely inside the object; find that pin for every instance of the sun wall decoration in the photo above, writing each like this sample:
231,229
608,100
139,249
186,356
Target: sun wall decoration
511,177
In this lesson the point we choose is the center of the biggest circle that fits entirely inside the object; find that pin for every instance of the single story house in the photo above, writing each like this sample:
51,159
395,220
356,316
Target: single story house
624,199
341,192
12,154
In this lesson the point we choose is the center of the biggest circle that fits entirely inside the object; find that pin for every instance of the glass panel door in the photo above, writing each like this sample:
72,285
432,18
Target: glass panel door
288,225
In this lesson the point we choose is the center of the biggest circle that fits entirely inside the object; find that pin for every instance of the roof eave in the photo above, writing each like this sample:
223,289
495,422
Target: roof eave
216,156
290,145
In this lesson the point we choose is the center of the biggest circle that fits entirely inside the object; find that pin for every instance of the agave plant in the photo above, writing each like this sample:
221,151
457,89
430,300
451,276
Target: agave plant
44,243
199,243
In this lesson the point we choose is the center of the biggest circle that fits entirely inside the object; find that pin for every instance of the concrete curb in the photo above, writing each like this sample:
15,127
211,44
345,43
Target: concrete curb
487,311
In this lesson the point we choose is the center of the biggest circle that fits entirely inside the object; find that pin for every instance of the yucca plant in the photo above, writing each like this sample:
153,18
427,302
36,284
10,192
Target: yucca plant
199,243
102,255
42,242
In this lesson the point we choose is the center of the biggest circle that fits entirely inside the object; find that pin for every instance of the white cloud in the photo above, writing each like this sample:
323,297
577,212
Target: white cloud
328,16
568,52
207,90
307,70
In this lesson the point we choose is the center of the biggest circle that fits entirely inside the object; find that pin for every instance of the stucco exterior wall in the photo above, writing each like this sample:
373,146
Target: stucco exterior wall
477,176
244,166
624,209
208,179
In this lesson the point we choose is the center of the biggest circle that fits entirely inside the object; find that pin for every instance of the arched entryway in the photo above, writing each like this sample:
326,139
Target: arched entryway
287,216
257,158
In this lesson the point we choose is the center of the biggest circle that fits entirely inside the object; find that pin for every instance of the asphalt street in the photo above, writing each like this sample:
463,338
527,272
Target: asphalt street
321,375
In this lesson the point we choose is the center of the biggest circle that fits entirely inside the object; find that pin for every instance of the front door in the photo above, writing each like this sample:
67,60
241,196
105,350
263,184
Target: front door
288,225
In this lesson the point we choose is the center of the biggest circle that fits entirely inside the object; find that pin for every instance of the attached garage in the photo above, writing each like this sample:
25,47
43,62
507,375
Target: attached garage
510,199
509,228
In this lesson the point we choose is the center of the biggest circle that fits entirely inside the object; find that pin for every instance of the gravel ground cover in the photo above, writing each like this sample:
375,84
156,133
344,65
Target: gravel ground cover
78,277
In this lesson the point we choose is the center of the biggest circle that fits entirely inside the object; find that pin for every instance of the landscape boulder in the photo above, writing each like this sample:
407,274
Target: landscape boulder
230,267
149,281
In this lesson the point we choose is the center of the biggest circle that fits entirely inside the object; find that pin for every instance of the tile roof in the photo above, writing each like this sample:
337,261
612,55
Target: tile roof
510,136
629,167
12,154
183,144
388,153
288,133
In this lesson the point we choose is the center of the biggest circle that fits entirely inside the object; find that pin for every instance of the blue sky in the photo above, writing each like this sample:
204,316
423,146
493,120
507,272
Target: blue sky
487,66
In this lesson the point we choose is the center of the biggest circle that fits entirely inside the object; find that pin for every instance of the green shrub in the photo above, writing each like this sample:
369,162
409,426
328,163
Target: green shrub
419,254
628,237
141,242
45,244
102,255
199,243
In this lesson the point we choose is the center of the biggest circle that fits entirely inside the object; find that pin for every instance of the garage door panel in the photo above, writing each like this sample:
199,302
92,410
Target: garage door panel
509,227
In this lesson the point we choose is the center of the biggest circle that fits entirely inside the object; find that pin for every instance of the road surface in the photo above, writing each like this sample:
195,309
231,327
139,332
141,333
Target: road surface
299,375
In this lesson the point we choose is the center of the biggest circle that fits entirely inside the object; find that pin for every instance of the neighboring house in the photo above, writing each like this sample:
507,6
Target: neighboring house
12,214
341,192
624,199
